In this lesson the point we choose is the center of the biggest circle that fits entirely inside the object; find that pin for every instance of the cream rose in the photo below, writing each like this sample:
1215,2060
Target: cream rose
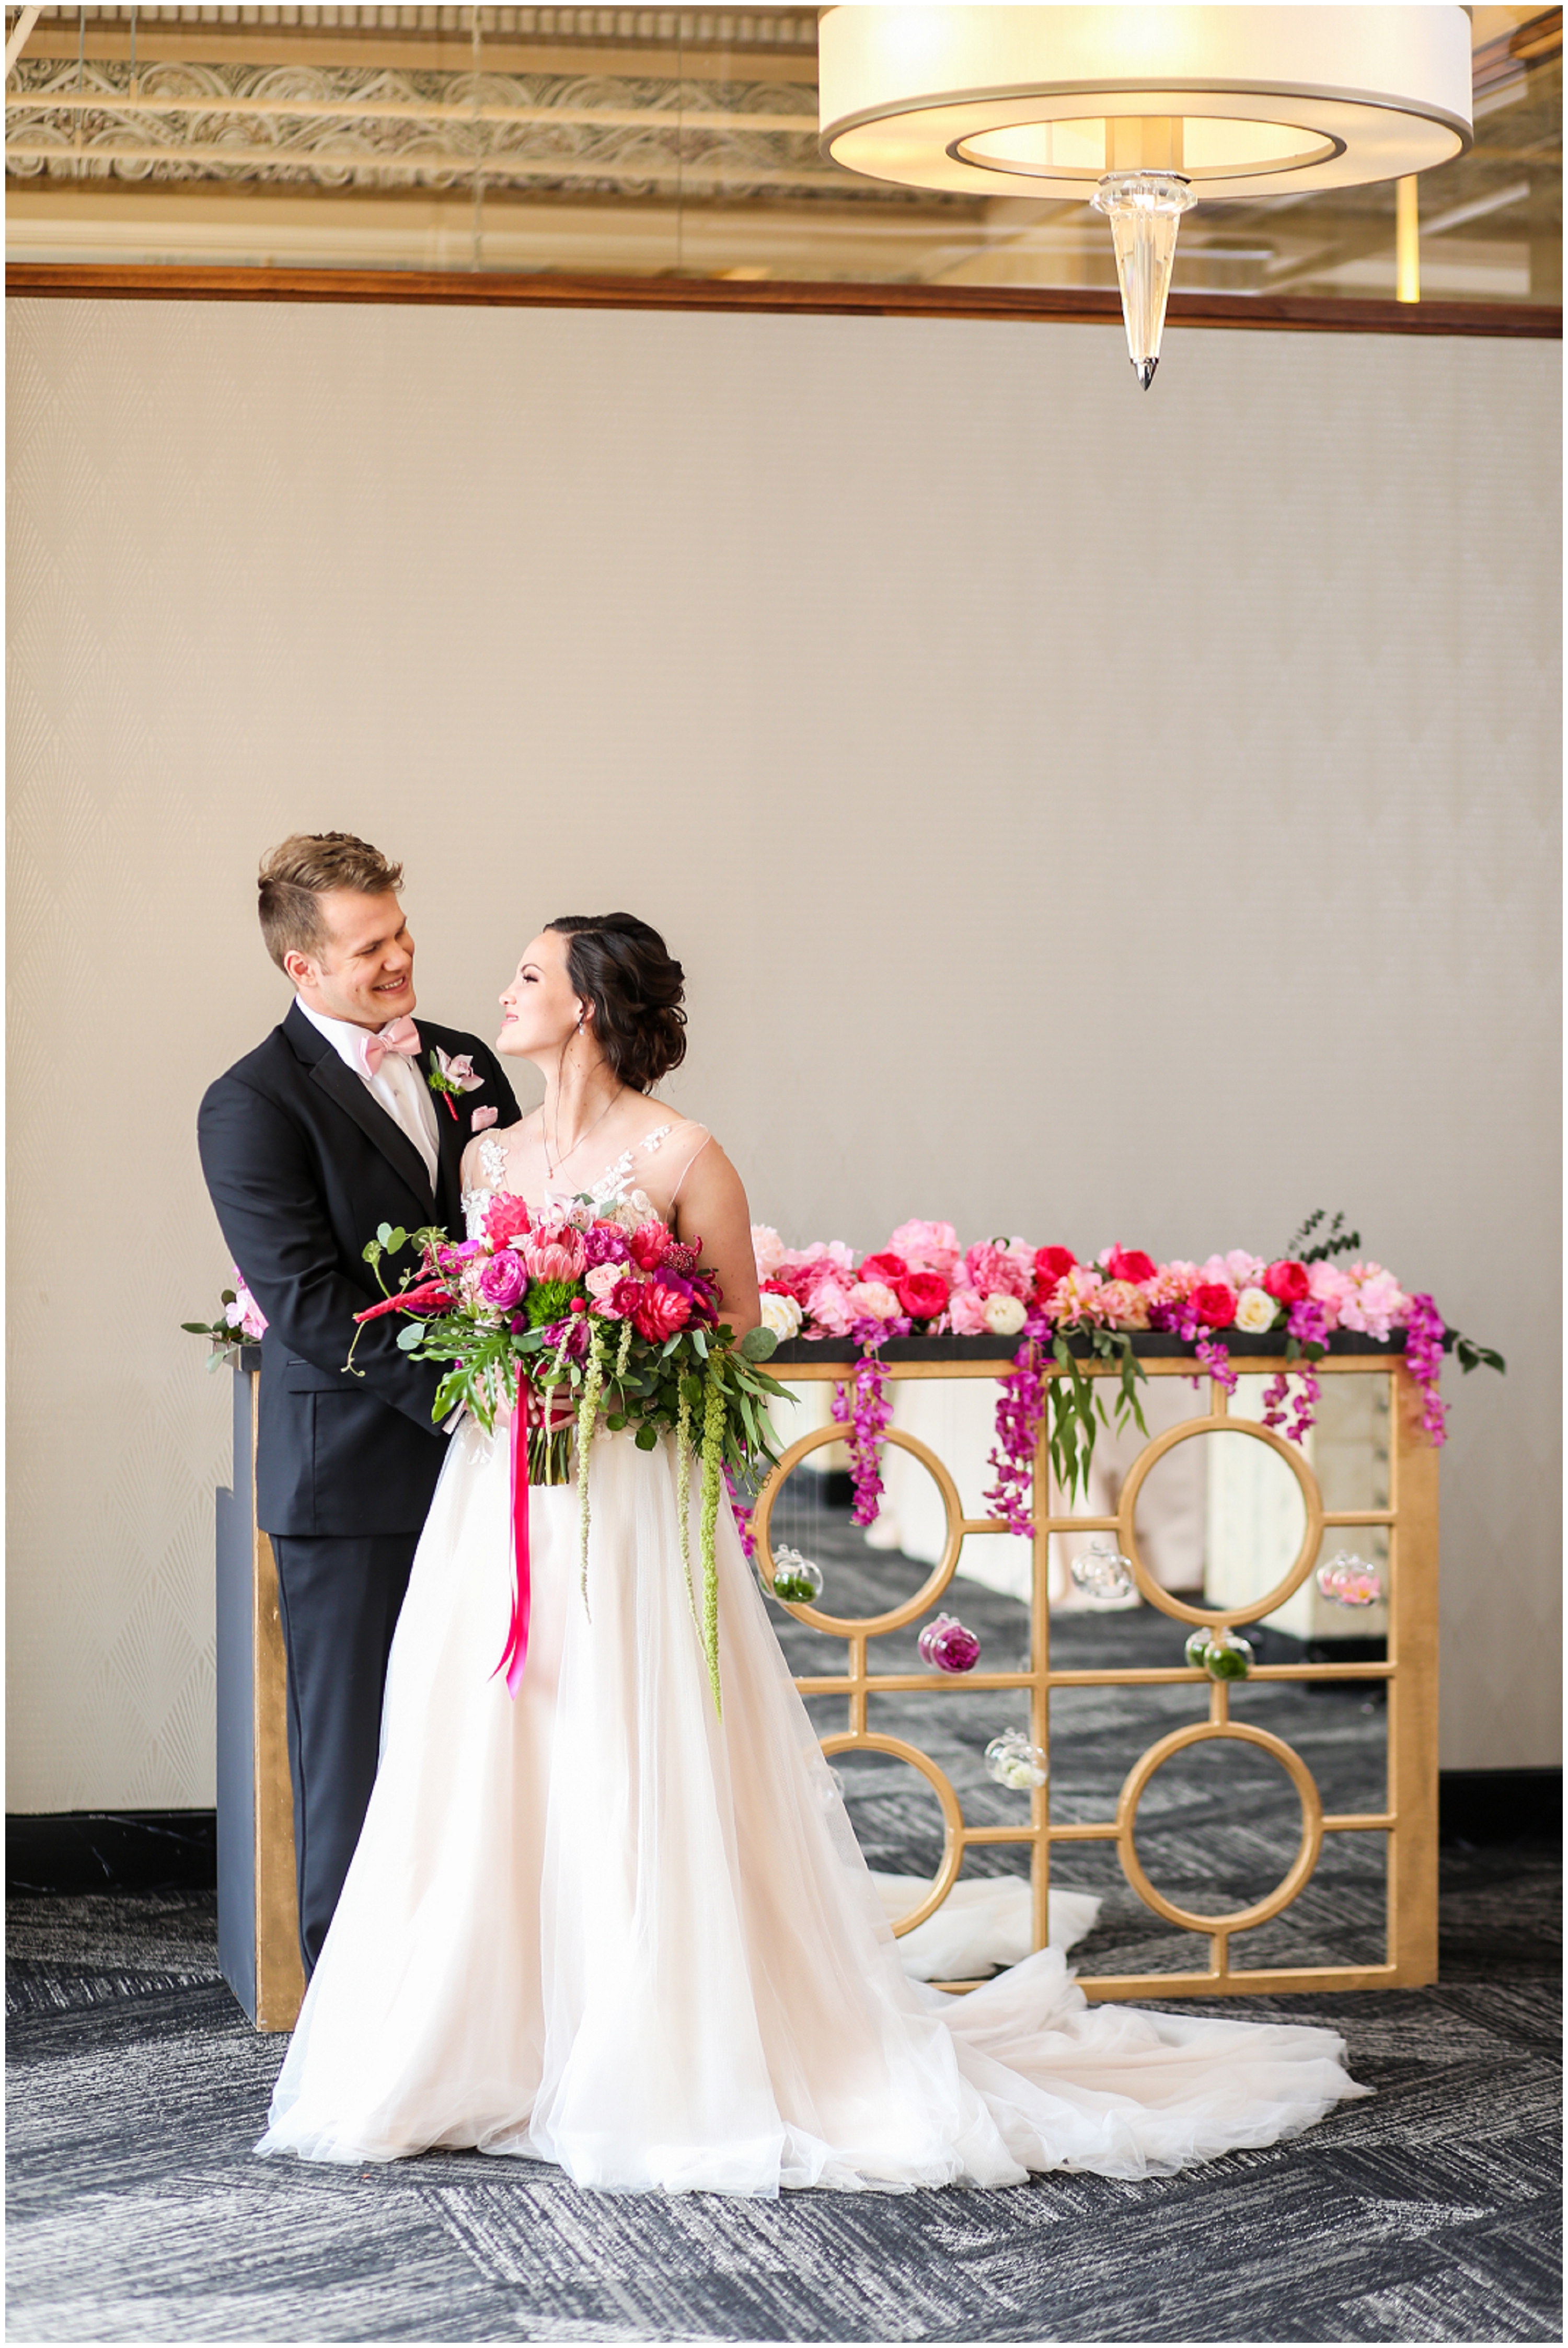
1255,1310
782,1315
1003,1316
872,1299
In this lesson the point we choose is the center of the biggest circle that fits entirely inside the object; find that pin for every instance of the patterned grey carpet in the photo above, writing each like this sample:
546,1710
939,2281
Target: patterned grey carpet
1428,2213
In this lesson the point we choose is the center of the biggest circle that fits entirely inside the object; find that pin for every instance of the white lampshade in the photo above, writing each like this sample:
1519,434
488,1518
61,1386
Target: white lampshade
1047,101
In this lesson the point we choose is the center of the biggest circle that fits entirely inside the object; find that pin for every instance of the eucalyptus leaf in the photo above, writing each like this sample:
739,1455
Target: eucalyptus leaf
758,1343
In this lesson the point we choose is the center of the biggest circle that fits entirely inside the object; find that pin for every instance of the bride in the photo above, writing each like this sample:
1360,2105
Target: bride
599,1927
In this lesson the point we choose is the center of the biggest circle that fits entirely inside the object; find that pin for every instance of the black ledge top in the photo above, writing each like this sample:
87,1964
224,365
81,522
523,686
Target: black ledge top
1152,1345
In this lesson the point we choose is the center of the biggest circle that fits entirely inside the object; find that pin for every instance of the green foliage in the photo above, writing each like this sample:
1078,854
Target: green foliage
1076,1406
1470,1355
1303,1247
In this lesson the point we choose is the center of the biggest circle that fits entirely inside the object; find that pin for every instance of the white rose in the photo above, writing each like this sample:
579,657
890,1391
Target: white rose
1003,1316
1255,1310
782,1315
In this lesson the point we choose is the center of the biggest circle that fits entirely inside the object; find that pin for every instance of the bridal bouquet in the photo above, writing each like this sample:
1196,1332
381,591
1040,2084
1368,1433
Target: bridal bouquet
596,1317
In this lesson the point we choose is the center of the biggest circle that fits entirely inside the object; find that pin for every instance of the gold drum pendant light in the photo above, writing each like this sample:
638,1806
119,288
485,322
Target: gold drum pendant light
1143,111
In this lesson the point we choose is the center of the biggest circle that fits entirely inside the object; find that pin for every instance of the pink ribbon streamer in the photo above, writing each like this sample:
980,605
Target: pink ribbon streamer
516,1651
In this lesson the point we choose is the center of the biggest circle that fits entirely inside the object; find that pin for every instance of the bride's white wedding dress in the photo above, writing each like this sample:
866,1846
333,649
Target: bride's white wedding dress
595,1926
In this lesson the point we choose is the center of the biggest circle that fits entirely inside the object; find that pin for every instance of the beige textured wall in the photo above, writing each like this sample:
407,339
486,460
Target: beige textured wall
1106,816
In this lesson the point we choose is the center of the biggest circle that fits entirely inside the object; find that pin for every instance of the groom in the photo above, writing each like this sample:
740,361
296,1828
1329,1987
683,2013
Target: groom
328,1128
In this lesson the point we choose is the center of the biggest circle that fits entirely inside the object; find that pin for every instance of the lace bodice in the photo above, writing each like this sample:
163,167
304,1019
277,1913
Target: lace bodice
616,1185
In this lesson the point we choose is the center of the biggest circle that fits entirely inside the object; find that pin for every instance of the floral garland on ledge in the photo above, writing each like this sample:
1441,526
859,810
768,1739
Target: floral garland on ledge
923,1282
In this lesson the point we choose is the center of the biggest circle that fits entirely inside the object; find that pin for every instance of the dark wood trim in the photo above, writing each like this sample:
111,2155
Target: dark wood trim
499,290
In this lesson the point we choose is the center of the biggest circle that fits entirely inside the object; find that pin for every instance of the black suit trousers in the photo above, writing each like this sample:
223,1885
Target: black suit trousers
339,1596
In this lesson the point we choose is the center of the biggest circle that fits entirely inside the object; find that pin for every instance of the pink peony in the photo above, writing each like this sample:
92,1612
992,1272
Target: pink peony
966,1310
1335,1291
659,1311
768,1250
998,1271
829,1307
1380,1304
885,1267
927,1247
506,1217
503,1278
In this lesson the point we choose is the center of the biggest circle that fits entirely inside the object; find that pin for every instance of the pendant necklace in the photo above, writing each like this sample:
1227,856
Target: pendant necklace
550,1170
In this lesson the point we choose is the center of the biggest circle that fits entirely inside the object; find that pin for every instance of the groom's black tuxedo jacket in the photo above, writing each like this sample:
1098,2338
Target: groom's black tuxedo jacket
302,1164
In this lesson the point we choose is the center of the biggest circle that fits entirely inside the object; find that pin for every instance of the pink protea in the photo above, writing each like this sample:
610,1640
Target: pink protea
557,1255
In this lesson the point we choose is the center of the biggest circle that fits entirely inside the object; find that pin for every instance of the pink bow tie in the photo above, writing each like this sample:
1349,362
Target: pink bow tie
401,1036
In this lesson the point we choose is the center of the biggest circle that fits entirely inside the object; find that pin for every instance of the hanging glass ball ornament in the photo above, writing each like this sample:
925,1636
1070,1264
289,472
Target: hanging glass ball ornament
1220,1653
1013,1761
795,1579
1348,1580
1103,1574
948,1645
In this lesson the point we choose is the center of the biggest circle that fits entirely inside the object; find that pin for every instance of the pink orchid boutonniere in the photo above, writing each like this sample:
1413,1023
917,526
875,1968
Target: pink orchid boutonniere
451,1074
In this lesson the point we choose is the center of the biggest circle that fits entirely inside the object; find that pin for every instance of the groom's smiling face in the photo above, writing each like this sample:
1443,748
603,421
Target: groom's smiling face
365,971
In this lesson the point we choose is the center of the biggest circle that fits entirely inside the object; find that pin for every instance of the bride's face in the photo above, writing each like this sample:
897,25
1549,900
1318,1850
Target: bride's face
540,1009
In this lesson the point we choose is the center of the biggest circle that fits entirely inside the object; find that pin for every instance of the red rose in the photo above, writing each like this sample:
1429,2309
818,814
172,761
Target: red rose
1287,1281
889,1269
922,1295
506,1217
1214,1303
1131,1263
659,1311
648,1243
1052,1264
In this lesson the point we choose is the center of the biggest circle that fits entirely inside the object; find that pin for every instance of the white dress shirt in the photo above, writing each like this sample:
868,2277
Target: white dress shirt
397,1085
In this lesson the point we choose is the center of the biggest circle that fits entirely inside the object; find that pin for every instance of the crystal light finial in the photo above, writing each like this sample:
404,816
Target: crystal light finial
1144,208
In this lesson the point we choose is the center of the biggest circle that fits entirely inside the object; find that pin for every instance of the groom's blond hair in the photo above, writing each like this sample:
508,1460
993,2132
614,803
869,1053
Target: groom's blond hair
296,876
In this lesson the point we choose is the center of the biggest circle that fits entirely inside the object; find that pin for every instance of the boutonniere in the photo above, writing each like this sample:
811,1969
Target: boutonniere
450,1076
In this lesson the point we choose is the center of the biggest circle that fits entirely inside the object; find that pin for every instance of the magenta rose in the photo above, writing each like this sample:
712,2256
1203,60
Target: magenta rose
922,1295
503,1278
1131,1263
1214,1303
1287,1281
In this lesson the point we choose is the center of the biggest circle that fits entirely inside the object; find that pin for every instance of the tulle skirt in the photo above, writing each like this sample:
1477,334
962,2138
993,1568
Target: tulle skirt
597,1926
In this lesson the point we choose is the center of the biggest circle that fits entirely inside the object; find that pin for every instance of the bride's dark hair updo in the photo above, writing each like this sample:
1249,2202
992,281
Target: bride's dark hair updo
635,985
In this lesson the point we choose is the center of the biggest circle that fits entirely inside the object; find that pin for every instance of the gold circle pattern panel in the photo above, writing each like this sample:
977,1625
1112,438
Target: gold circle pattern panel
1204,1732
952,1832
931,1588
1220,1422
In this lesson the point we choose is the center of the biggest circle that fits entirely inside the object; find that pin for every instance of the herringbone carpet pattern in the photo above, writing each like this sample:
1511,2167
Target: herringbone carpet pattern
1427,2213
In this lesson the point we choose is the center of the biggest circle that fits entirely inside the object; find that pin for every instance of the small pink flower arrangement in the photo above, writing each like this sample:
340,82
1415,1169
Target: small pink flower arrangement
239,1323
